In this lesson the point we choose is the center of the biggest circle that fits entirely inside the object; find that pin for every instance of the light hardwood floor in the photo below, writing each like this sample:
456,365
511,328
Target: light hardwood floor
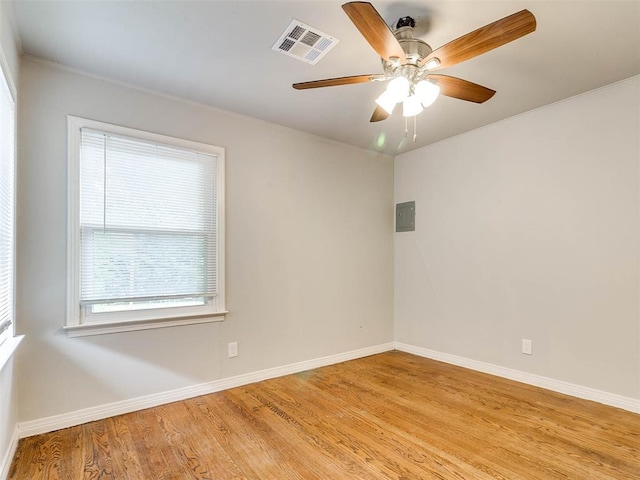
388,416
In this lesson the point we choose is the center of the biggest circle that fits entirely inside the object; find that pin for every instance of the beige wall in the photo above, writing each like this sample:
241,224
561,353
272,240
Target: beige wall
529,228
309,250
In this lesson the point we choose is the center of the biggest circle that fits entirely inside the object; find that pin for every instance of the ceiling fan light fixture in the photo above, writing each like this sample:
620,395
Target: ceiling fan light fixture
407,60
411,106
427,92
399,88
432,63
387,101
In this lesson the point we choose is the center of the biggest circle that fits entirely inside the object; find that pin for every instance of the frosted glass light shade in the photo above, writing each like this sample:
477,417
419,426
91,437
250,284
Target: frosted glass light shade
399,88
411,106
432,63
427,92
387,101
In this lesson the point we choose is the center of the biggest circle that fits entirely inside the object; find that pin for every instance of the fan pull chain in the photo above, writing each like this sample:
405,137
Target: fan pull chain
415,127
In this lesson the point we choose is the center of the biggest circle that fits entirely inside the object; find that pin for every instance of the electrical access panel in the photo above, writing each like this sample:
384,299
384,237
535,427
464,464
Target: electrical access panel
406,217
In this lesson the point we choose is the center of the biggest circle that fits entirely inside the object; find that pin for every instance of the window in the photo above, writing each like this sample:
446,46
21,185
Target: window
146,230
7,207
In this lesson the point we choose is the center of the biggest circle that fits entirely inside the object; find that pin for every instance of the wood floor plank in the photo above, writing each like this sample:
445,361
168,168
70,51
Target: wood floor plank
388,416
424,425
555,457
126,463
566,456
283,433
205,459
368,437
156,456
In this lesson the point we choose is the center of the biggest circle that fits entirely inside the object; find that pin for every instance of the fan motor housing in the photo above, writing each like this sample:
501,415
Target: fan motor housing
414,48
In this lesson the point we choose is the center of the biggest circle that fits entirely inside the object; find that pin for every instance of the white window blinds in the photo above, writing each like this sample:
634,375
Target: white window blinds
147,223
7,207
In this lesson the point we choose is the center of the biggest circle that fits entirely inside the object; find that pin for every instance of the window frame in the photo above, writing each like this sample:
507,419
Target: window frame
79,322
7,336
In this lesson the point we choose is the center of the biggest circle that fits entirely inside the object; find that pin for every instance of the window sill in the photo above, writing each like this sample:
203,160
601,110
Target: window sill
130,326
8,349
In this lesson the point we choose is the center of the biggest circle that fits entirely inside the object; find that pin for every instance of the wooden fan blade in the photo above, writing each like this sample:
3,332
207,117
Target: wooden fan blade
483,39
462,89
333,82
374,29
379,114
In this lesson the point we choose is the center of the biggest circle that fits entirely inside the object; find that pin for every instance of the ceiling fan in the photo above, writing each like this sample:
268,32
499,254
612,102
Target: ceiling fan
408,61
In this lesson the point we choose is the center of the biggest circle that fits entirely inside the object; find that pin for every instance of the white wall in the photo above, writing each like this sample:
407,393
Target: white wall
529,228
8,394
309,250
8,416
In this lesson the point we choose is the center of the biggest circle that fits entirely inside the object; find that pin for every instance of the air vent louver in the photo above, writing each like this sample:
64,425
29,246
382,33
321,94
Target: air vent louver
287,44
304,42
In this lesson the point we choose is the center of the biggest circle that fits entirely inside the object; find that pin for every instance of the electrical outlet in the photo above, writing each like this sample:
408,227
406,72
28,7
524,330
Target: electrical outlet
233,349
526,346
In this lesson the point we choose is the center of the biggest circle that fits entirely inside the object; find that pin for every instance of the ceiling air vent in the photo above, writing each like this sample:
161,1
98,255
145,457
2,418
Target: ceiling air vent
304,43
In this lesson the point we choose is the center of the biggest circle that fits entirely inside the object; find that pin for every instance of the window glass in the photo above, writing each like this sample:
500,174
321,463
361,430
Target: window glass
148,226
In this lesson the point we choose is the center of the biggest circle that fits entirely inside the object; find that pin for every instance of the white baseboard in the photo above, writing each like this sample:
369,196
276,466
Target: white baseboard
56,422
5,464
586,393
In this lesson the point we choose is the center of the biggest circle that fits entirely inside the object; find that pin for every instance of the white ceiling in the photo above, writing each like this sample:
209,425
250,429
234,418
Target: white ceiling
219,53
